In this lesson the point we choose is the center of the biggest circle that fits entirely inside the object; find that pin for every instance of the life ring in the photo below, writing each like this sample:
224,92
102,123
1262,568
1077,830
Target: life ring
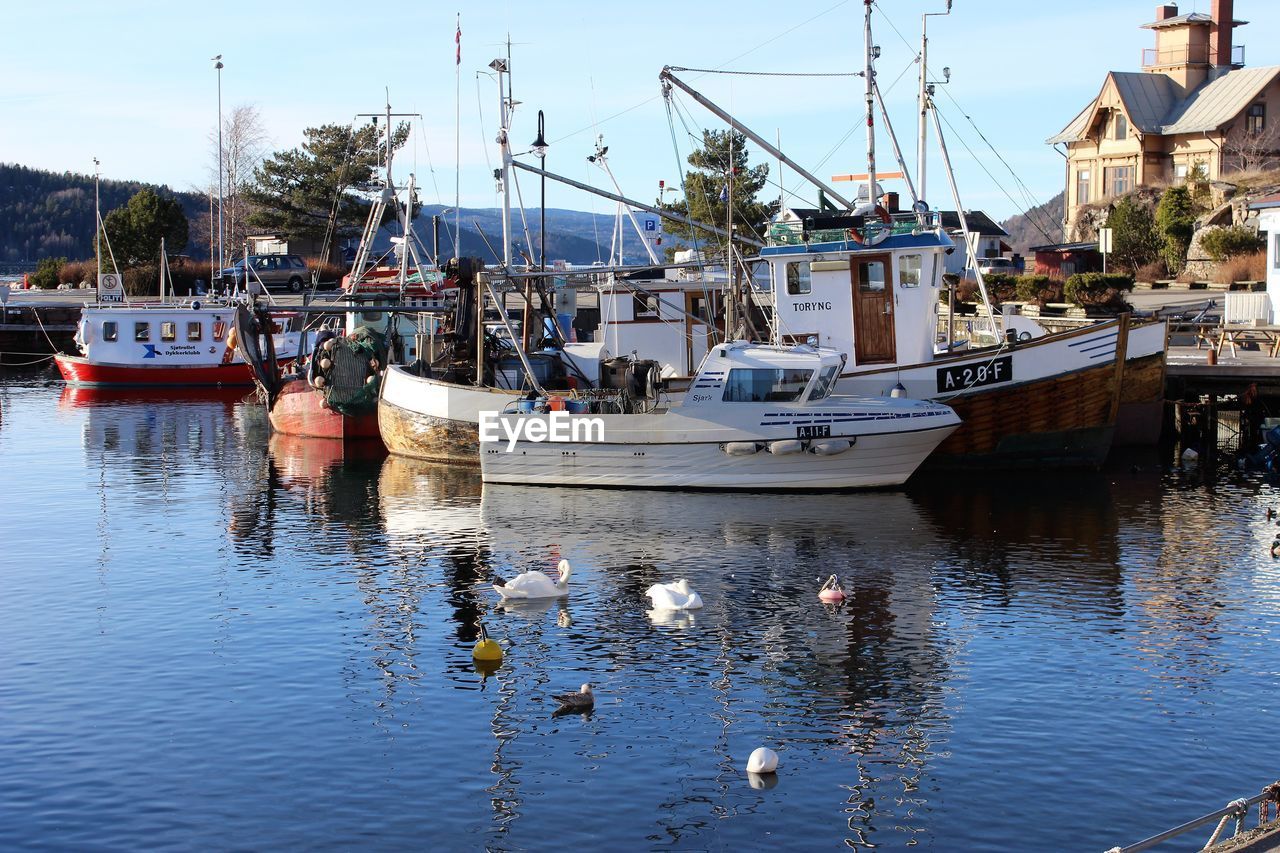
855,234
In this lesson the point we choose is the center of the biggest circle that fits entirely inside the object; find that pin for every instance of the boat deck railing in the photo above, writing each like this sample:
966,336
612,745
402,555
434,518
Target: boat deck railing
795,234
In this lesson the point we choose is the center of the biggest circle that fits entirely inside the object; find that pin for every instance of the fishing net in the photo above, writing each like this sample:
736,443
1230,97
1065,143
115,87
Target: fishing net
350,366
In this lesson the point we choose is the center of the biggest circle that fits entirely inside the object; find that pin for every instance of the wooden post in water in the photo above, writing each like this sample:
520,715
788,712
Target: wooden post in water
1211,430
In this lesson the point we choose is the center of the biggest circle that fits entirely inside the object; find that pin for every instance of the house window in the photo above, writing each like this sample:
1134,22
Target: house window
141,332
195,331
168,331
645,305
798,280
1119,179
1082,186
765,385
1179,173
111,329
1121,127
1256,120
909,269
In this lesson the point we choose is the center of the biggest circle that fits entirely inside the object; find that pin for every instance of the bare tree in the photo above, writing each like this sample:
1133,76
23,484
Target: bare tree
1252,151
244,144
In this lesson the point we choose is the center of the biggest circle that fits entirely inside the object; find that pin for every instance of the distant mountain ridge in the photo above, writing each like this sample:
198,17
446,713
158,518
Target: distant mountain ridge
50,214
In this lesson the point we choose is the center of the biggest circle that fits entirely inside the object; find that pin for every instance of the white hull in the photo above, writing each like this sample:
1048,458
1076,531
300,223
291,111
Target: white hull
975,372
434,420
875,461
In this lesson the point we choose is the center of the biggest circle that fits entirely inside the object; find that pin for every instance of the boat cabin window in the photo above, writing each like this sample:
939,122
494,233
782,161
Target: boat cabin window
219,329
909,269
826,382
110,330
195,331
168,331
798,281
645,305
142,332
765,384
871,276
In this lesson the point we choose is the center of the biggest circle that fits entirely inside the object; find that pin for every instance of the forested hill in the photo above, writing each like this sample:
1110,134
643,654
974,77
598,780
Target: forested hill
1037,227
50,214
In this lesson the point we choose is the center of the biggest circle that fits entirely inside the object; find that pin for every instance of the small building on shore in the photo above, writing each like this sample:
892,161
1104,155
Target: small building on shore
1267,209
1063,260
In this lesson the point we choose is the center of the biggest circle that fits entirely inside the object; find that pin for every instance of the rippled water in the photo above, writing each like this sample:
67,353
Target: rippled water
209,639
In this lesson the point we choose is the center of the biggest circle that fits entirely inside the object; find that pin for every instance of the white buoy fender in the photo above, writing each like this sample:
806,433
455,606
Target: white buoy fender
786,446
762,760
830,448
741,448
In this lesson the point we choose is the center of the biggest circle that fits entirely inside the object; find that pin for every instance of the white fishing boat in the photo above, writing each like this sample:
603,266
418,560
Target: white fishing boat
755,417
169,344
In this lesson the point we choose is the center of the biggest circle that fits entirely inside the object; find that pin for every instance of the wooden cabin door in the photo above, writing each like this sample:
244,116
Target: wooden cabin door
697,334
871,278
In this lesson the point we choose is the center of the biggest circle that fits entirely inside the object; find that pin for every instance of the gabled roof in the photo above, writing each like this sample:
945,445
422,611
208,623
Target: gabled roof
1265,202
1153,106
1218,100
1147,98
978,222
1075,128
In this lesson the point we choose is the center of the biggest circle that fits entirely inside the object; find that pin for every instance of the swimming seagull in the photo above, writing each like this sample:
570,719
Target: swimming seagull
575,703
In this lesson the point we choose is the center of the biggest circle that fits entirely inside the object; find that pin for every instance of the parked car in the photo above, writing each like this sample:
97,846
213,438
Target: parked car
986,266
271,271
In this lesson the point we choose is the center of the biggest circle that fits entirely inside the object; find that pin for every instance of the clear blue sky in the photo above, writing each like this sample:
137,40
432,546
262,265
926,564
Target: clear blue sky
132,83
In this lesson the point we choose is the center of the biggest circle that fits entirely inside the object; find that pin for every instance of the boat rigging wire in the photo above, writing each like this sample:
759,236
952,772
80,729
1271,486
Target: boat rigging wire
632,108
1029,201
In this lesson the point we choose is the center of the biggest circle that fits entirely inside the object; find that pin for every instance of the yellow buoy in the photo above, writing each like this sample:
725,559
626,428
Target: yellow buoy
486,649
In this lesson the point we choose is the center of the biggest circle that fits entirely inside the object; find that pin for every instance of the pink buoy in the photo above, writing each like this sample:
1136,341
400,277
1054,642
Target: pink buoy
831,591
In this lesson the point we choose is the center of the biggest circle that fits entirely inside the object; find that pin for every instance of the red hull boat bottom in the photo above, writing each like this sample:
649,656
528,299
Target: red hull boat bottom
301,411
79,371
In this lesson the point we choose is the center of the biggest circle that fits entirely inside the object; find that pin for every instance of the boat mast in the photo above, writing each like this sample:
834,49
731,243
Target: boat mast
870,79
501,66
923,98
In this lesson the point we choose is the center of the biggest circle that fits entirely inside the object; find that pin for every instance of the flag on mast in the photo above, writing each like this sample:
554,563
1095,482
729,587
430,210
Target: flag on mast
458,41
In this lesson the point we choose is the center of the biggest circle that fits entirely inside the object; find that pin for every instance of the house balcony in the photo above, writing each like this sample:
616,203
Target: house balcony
1194,55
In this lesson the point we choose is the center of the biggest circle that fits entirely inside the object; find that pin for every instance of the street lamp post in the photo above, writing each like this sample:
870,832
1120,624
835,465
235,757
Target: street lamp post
540,151
217,60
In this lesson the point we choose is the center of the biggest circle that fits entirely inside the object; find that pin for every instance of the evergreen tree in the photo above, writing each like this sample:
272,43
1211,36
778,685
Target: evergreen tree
294,190
136,229
722,158
1176,221
1133,234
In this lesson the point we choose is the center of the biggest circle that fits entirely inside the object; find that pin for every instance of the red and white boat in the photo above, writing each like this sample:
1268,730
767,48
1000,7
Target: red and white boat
165,344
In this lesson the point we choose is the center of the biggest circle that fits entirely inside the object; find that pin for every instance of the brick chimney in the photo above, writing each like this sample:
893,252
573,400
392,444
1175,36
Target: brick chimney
1167,11
1223,16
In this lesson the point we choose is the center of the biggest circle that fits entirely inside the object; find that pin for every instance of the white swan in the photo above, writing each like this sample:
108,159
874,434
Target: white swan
534,584
674,596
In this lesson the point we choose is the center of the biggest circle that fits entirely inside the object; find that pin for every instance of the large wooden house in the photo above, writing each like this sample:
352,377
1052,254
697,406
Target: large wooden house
1192,108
